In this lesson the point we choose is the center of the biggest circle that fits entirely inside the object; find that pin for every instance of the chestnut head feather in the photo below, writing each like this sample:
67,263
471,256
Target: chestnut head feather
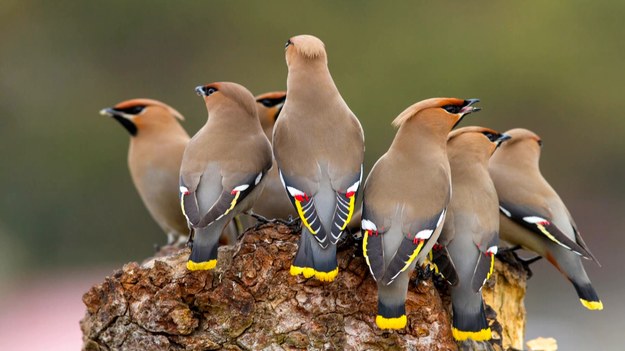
269,106
478,138
138,114
445,107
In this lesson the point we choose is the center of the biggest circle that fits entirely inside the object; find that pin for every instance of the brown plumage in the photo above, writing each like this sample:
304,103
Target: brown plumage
405,199
222,168
470,233
154,156
319,148
273,202
534,216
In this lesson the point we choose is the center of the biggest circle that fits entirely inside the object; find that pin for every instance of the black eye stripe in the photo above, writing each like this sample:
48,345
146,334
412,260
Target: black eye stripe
491,136
267,102
452,108
132,110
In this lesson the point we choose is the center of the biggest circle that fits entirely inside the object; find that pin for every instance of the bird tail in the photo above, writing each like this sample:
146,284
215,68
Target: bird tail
588,296
324,262
470,324
312,260
303,262
392,303
204,250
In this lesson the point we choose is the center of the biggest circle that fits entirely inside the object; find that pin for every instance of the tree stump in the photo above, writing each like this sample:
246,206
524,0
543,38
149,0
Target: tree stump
251,302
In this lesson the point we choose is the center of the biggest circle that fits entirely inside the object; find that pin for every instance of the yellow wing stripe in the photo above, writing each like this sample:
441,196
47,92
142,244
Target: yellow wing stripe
352,202
365,240
233,203
546,232
414,255
492,266
300,212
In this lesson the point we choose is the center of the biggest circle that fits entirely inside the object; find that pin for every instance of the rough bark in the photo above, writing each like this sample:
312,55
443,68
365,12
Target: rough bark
250,302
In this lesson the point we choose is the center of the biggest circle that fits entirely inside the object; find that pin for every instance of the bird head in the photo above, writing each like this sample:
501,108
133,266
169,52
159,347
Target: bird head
305,48
446,112
222,95
139,114
269,106
480,139
521,138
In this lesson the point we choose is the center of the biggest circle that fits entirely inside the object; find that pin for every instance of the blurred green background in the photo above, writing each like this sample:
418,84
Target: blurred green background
68,203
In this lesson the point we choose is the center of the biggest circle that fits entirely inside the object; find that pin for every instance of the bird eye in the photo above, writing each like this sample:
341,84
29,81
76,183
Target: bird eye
209,91
540,142
288,42
266,102
133,110
452,108
491,136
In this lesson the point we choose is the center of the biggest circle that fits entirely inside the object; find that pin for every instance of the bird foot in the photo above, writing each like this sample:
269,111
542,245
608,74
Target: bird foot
423,273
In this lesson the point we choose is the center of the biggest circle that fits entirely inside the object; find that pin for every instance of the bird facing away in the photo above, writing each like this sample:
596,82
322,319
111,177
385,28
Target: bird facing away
471,230
319,147
533,215
222,168
273,201
157,142
405,199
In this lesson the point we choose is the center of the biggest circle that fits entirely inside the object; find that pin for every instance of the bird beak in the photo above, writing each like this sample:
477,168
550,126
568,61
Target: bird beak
502,138
468,106
199,90
107,112
123,118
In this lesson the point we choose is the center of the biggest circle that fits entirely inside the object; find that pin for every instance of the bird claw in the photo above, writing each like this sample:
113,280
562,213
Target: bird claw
423,273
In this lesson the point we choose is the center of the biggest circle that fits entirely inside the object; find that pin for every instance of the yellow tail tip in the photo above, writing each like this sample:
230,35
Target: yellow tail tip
391,323
592,305
306,271
201,266
327,276
461,335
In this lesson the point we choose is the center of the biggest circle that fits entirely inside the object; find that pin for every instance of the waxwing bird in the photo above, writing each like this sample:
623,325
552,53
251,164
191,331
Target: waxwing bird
222,168
269,108
405,199
319,147
471,230
273,201
533,215
156,145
